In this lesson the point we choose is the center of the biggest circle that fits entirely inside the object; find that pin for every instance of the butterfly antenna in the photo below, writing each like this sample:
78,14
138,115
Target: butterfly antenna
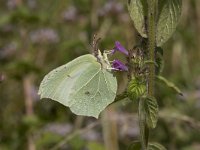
95,44
95,47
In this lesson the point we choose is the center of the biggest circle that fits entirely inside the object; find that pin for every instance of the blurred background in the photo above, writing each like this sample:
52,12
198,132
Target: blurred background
37,36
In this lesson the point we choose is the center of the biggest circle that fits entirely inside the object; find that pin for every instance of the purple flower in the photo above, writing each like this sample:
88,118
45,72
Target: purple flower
118,65
120,48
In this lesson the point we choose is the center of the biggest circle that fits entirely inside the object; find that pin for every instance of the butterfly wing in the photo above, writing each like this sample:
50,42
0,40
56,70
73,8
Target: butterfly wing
82,84
58,84
97,92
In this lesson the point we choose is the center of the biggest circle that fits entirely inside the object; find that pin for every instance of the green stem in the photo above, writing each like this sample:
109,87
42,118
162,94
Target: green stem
151,28
144,131
151,24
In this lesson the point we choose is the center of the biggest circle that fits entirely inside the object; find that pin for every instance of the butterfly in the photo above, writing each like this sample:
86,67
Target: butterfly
86,84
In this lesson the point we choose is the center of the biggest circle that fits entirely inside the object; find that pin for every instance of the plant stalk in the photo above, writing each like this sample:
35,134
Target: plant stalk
27,84
109,126
151,28
144,131
151,25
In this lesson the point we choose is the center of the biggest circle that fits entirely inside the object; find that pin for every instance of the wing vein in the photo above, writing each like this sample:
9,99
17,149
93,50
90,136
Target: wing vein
88,80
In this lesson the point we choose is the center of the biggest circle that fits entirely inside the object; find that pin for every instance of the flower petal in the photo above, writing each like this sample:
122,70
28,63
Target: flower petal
120,48
118,65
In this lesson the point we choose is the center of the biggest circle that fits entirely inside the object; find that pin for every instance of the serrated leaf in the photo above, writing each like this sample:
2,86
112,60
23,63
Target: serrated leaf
169,15
155,146
136,88
169,12
82,85
137,10
135,146
151,110
169,84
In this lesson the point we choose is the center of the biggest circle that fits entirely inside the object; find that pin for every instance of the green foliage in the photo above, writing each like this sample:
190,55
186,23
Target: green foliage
168,15
151,146
82,85
157,21
138,12
148,117
151,110
136,88
155,146
169,84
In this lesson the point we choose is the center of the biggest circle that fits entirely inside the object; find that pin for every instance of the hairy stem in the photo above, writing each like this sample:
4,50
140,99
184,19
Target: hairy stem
151,24
144,131
151,28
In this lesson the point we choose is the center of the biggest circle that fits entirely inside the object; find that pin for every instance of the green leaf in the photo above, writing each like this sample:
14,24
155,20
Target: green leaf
155,146
169,14
151,146
136,88
151,110
137,10
82,84
135,146
169,84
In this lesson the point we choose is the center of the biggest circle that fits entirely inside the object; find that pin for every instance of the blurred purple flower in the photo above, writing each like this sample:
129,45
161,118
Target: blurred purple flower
120,48
44,35
2,77
118,65
71,14
111,7
58,128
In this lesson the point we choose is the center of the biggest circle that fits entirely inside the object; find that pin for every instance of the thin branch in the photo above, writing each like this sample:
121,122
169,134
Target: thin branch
73,134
